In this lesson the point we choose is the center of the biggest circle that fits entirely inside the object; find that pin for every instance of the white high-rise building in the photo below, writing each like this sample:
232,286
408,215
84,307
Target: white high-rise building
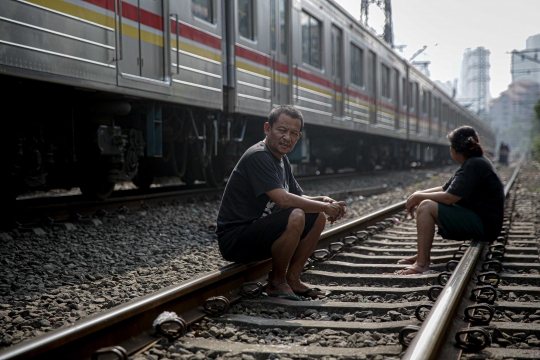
526,63
474,80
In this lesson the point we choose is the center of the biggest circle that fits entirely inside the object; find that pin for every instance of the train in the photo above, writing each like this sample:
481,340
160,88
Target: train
108,91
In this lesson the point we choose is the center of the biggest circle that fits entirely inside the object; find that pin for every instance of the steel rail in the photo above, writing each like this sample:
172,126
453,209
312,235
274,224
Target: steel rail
130,325
33,210
427,343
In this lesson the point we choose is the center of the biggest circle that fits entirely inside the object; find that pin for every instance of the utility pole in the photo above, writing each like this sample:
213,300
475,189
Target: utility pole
386,6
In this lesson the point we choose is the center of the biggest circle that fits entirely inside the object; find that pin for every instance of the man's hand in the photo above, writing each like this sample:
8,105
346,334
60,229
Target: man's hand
342,211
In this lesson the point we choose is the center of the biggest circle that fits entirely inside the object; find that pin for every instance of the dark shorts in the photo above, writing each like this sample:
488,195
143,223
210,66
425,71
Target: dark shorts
255,241
459,223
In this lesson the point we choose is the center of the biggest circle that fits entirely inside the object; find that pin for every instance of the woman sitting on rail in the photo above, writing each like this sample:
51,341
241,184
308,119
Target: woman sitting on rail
469,206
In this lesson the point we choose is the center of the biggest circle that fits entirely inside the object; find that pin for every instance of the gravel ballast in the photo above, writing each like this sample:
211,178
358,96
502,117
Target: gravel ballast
51,278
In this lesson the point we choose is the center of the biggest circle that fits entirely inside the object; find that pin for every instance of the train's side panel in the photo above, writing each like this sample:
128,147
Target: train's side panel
196,53
252,92
312,90
142,42
358,102
58,41
88,44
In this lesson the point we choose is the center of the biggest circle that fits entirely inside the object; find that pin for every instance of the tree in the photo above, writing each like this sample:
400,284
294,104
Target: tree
536,133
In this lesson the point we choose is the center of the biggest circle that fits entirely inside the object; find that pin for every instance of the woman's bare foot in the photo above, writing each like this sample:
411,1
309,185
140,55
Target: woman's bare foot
407,261
414,269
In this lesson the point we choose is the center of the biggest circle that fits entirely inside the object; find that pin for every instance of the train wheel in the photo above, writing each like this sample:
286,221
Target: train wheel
145,174
97,189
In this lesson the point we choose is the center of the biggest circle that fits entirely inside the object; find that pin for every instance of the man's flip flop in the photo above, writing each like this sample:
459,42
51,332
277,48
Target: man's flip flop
285,296
307,292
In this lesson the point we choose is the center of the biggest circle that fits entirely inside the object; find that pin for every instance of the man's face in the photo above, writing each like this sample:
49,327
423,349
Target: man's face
283,135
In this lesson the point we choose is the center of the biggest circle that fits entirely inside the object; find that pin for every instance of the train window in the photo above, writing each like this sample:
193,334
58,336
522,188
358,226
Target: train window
282,27
412,96
372,70
203,9
436,108
245,19
396,87
357,65
397,100
425,99
336,52
311,40
416,90
385,81
273,24
406,93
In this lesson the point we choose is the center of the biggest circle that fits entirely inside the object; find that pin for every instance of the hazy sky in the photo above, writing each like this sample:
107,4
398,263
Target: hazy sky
448,27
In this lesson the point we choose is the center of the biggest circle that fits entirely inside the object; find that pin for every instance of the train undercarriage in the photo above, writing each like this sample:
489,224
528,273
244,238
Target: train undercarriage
62,138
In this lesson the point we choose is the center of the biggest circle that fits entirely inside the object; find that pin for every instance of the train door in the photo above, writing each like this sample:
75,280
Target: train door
279,38
141,41
337,71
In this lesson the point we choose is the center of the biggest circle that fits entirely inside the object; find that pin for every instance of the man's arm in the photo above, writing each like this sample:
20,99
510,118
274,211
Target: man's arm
319,198
287,200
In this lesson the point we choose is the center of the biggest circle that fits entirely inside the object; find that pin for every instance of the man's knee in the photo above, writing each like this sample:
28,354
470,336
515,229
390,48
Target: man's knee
321,220
297,219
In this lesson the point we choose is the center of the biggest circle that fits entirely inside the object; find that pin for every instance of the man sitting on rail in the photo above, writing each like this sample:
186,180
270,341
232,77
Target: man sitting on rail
469,206
263,213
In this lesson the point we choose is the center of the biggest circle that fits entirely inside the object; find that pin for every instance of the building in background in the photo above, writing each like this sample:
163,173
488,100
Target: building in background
512,112
526,63
448,87
474,80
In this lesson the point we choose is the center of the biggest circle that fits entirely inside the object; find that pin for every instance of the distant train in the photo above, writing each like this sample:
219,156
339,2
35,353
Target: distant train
104,91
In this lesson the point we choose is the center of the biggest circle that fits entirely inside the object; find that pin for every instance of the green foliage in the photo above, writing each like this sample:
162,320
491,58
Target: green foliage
535,148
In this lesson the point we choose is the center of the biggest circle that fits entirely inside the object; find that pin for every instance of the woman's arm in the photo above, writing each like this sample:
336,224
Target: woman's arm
432,190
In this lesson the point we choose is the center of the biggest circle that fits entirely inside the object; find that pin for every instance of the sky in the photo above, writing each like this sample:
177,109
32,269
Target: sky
448,27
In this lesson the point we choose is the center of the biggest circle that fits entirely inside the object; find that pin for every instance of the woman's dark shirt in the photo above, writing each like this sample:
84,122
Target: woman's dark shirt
482,191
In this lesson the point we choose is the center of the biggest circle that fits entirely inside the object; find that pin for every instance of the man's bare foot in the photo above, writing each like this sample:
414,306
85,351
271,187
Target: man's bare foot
274,287
301,289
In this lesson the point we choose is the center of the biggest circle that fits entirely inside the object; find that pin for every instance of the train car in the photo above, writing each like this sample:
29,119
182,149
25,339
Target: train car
104,91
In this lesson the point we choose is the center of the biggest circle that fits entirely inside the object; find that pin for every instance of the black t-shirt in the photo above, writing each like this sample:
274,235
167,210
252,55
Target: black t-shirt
482,191
245,199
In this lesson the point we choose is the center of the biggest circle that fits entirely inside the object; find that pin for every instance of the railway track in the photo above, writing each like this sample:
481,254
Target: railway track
31,212
43,209
363,317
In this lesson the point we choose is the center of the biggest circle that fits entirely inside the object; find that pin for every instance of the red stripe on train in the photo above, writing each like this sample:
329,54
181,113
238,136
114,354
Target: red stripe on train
189,32
131,12
252,56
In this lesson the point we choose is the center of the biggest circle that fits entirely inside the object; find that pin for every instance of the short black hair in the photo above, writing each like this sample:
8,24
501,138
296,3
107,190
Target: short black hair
465,141
285,109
